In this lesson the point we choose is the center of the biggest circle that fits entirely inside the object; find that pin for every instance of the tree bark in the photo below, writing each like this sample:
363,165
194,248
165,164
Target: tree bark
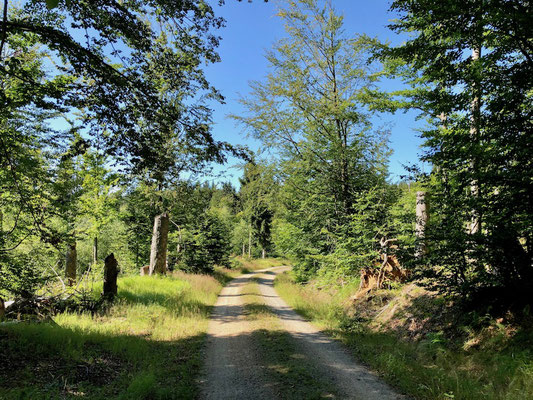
158,251
243,249
421,221
2,309
110,276
250,241
71,264
95,250
1,229
475,223
263,255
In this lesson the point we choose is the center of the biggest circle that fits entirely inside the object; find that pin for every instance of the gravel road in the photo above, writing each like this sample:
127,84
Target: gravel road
233,369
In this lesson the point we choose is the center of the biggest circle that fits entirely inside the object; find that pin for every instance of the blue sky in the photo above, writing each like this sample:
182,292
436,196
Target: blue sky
252,28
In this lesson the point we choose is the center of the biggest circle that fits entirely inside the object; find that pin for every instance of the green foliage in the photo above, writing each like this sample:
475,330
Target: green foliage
481,149
491,363
132,101
331,161
155,321
257,197
205,245
133,92
19,275
239,237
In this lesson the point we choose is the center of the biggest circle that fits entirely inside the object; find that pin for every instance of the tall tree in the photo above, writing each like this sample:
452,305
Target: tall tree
473,63
313,111
257,198
131,70
97,202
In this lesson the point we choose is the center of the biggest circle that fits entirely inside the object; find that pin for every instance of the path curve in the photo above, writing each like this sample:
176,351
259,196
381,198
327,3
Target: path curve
233,371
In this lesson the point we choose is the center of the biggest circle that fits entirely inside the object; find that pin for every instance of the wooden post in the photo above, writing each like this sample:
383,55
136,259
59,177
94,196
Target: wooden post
110,276
71,264
421,221
158,251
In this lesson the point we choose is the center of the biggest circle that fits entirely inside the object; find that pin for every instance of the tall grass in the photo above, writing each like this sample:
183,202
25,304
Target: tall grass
146,345
499,367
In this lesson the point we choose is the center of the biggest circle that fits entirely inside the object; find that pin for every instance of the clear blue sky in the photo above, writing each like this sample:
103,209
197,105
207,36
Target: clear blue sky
252,28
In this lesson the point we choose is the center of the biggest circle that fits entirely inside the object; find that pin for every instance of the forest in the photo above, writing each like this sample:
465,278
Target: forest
118,231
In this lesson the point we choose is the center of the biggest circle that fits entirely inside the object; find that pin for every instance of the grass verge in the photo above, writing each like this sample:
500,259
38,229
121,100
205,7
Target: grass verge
147,345
499,365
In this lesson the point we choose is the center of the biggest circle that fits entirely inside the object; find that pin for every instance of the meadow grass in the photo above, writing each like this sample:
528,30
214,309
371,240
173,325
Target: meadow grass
246,264
499,367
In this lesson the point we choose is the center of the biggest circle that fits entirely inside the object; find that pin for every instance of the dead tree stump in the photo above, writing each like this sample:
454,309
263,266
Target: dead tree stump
144,270
71,264
421,221
158,250
110,276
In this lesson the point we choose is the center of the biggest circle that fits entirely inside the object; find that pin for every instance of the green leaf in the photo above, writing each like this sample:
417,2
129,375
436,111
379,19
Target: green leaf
52,4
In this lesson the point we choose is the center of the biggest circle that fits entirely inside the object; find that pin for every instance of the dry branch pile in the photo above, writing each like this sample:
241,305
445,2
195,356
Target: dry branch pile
41,308
386,270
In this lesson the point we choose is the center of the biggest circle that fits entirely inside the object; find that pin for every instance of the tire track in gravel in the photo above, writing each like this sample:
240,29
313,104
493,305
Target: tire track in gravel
234,371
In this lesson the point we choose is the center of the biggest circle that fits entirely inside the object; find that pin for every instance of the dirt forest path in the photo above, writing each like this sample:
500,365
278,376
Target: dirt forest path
233,369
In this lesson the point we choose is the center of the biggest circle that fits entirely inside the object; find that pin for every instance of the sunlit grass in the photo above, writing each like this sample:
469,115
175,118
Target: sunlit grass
249,265
147,343
323,307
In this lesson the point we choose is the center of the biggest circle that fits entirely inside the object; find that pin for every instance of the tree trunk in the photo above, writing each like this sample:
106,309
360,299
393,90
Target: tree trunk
158,251
71,264
95,250
2,309
263,255
110,276
1,229
475,223
243,249
421,221
250,241
136,254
